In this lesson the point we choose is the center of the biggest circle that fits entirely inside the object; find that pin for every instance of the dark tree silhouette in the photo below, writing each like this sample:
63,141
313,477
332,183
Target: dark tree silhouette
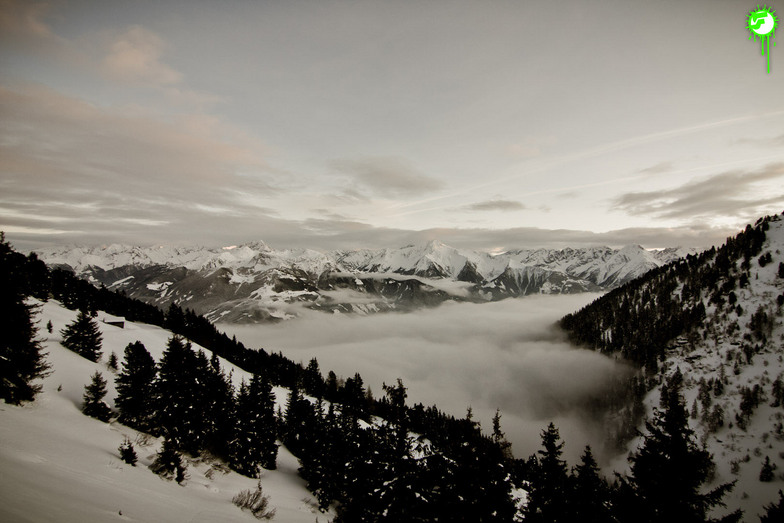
94,393
83,337
135,388
669,469
23,360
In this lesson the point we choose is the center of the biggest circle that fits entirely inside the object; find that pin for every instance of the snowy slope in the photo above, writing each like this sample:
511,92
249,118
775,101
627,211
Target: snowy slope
716,353
59,465
253,283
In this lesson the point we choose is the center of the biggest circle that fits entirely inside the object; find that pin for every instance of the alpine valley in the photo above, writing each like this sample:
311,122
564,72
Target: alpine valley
254,283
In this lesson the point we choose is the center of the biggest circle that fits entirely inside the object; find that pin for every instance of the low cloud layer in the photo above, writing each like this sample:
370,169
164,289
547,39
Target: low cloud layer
505,355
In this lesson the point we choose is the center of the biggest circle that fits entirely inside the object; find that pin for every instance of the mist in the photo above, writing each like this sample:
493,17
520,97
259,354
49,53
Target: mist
506,355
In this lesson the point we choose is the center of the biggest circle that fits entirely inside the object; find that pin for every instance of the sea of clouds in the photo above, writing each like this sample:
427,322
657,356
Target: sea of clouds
506,355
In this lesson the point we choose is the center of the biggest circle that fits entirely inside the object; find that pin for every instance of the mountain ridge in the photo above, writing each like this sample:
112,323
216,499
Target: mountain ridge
253,282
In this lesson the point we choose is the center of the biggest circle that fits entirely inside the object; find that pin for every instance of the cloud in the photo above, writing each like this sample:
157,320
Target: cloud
91,168
505,355
23,22
733,193
661,167
496,205
386,176
134,57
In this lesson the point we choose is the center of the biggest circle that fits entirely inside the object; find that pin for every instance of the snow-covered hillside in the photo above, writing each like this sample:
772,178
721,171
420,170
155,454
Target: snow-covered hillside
253,282
733,367
60,465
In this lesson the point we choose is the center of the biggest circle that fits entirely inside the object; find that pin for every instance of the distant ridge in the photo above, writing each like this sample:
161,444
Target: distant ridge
255,283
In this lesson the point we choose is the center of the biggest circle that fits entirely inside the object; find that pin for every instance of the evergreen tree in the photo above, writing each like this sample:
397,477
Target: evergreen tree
178,412
591,494
766,473
253,444
93,404
774,513
669,469
299,417
112,363
135,388
83,337
219,409
168,462
550,492
127,452
499,438
23,360
313,382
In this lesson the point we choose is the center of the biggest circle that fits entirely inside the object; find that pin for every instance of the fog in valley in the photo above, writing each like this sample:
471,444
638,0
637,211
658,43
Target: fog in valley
507,355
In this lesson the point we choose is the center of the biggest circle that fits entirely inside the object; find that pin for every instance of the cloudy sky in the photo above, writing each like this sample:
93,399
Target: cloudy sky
377,123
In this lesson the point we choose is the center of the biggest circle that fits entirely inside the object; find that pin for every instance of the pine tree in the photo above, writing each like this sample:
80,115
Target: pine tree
549,495
112,363
313,382
168,462
766,473
499,438
127,452
219,409
774,513
135,388
178,411
299,417
83,337
591,494
23,360
253,444
93,404
669,469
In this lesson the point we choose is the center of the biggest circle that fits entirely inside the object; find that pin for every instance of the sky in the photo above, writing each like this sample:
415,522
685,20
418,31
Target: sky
344,124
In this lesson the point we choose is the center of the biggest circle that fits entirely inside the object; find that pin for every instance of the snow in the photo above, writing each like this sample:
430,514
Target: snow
704,359
59,465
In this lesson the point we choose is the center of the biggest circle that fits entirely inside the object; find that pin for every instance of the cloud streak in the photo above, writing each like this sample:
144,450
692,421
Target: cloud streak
385,176
733,193
496,205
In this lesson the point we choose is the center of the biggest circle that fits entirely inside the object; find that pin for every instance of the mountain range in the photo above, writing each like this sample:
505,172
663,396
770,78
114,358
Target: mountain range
256,283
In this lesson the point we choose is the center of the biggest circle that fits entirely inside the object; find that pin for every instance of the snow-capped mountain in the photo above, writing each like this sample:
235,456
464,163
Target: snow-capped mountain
253,282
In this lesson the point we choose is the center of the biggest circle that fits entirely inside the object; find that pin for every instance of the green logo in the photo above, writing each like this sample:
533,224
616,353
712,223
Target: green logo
762,24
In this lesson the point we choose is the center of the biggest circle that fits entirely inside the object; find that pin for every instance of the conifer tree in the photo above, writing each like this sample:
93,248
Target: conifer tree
112,363
178,412
168,462
774,512
83,337
499,438
591,494
253,444
127,452
93,404
669,469
766,473
135,388
313,382
219,409
549,494
23,360
299,416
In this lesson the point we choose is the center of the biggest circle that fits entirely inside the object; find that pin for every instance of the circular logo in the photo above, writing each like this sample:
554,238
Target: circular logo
762,22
